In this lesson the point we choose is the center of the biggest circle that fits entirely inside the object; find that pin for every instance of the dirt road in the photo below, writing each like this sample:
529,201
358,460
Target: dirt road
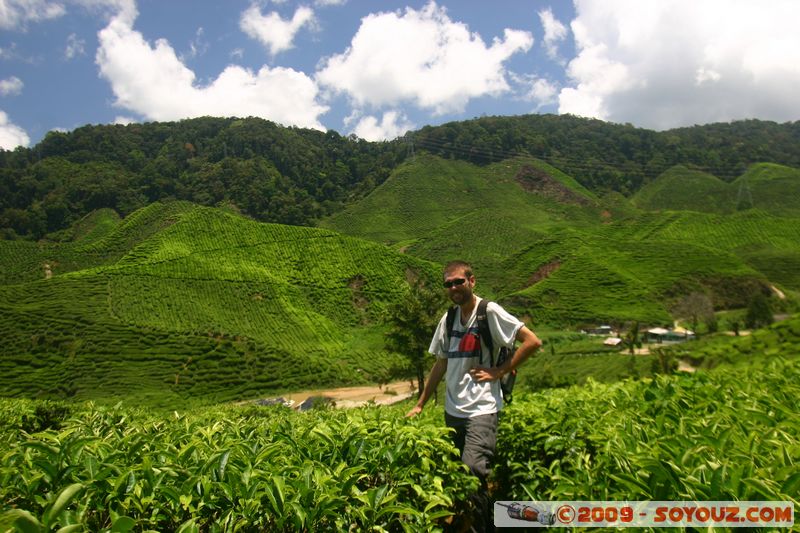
357,396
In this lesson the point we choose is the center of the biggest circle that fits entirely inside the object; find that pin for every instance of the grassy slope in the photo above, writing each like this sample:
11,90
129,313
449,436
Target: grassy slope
768,243
767,186
188,301
433,195
680,188
772,187
442,209
604,260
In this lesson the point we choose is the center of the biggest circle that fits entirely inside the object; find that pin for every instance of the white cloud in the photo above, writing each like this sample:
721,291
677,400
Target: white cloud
705,75
421,57
674,63
271,30
11,135
11,86
554,33
323,3
538,90
392,125
16,14
198,46
75,47
123,120
151,81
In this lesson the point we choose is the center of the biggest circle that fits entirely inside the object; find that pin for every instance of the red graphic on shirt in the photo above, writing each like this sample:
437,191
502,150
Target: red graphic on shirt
470,343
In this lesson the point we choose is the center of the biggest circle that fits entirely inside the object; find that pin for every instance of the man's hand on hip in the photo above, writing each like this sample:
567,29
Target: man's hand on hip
481,374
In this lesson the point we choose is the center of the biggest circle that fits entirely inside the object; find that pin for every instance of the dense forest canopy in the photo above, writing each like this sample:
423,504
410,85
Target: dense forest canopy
271,173
611,157
296,176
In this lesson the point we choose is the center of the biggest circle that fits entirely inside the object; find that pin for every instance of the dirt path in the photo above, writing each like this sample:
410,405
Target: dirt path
357,396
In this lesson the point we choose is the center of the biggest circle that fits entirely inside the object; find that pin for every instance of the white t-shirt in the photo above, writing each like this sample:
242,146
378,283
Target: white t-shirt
465,397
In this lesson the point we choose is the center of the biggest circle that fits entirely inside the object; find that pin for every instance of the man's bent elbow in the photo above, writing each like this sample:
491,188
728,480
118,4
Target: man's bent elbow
529,338
537,343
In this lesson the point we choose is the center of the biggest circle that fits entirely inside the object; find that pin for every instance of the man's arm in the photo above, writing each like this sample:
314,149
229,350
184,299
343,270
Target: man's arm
438,370
530,343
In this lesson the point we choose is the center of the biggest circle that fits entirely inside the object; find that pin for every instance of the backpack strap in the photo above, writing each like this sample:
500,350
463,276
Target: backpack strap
450,322
483,329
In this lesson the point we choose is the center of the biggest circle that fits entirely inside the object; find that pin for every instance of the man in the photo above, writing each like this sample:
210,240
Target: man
473,397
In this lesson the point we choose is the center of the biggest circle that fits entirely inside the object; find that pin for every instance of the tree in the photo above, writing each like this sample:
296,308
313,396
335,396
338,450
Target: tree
413,321
664,362
695,307
631,339
759,312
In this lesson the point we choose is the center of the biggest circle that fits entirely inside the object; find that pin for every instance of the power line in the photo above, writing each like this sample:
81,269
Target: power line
498,155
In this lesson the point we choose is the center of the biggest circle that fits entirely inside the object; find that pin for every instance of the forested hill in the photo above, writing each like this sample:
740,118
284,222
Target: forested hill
611,157
298,176
268,172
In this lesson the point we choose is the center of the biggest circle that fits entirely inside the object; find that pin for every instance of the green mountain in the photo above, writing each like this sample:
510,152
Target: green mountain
178,300
551,250
568,222
298,176
439,209
681,189
773,188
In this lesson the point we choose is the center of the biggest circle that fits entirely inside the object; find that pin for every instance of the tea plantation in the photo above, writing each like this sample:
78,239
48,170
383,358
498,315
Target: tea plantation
128,343
726,434
179,301
549,249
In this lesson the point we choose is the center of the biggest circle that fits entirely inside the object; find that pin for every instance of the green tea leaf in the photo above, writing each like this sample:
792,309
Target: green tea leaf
123,524
64,498
22,520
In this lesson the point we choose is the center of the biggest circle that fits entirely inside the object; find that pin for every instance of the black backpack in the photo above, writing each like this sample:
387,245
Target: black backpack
507,381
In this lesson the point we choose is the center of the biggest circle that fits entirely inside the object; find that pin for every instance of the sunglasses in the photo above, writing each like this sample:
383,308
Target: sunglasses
454,283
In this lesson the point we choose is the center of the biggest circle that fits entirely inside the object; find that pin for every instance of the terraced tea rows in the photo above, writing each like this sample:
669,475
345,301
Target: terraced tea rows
209,305
563,262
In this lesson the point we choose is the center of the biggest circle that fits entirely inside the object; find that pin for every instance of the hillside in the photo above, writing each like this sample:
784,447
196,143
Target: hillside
298,176
551,250
773,188
438,209
614,157
769,187
429,194
179,300
681,189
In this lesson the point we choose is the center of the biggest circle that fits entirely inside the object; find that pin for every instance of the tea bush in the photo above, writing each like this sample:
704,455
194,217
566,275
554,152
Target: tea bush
231,469
730,434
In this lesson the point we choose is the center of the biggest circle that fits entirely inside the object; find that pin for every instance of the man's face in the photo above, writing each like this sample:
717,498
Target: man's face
458,286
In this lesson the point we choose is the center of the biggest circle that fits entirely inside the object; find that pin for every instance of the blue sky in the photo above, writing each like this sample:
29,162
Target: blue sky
380,68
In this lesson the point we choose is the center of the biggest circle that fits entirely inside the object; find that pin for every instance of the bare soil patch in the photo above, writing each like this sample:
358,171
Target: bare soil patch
538,181
347,397
543,272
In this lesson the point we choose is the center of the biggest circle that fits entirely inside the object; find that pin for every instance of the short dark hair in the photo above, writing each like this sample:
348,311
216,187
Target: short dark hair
452,265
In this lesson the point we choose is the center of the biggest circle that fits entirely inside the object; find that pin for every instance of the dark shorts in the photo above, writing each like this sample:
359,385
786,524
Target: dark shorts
476,439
